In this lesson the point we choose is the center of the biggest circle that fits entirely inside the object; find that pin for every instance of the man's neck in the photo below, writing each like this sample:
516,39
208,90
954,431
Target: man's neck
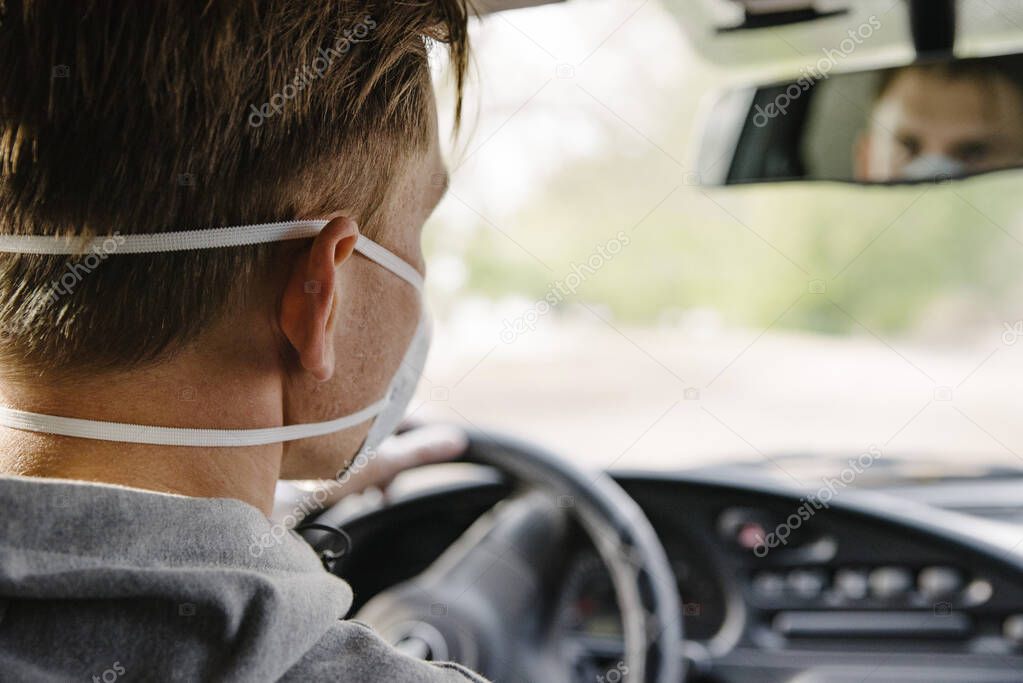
179,394
242,474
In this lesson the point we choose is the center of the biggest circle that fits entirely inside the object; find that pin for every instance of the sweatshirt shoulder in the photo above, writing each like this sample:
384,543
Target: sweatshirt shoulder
353,652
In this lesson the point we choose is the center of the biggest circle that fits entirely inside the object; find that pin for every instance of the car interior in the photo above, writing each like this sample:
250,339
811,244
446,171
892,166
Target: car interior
883,559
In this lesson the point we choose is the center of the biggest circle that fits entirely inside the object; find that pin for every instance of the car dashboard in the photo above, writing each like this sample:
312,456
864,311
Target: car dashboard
774,586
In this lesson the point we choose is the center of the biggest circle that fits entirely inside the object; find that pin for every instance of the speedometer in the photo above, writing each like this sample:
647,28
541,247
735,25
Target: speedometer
589,608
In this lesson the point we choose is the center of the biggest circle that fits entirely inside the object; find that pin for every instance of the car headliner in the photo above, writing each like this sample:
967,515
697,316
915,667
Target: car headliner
490,6
984,27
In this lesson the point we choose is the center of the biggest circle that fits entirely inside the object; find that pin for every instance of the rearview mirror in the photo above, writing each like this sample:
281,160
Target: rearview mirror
925,122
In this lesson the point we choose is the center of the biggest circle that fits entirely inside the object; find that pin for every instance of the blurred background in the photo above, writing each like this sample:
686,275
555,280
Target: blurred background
591,296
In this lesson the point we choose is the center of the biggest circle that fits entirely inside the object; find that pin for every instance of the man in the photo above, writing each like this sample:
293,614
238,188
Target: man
943,120
155,383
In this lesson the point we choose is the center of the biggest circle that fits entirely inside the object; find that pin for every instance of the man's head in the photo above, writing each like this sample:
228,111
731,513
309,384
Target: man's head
127,117
947,118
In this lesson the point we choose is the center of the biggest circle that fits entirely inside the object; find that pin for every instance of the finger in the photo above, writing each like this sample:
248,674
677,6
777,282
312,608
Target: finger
423,446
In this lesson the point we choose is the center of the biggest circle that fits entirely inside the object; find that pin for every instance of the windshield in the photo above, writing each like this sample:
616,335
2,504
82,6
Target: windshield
589,295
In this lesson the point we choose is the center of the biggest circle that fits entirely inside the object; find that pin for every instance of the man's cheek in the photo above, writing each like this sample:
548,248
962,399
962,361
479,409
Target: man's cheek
380,326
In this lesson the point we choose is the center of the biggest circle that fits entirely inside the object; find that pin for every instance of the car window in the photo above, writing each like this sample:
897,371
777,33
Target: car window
591,295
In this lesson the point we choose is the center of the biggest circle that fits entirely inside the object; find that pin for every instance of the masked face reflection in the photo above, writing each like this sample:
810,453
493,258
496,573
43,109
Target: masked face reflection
929,122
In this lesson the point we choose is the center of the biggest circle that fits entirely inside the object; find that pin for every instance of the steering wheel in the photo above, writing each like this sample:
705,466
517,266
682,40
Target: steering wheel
482,603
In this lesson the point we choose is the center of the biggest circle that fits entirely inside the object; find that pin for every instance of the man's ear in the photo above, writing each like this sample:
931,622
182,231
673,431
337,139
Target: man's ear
308,305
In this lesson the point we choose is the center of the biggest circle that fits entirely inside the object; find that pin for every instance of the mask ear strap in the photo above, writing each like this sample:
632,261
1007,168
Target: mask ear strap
161,242
180,436
390,261
199,240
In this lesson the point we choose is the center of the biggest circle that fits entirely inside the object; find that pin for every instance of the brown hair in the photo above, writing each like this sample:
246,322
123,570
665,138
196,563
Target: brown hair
981,69
121,117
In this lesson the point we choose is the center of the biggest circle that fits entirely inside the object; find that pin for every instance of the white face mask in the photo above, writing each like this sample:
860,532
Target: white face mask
932,167
386,413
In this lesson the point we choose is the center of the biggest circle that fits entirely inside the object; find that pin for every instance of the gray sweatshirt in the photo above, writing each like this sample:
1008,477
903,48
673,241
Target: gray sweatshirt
104,583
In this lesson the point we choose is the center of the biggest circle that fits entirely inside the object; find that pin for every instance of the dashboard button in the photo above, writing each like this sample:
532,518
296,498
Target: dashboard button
743,528
852,584
936,582
768,585
806,583
890,582
1012,629
750,536
978,592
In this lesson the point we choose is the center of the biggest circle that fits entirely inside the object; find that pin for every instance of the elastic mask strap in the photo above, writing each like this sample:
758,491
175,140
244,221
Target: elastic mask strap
189,241
198,240
176,436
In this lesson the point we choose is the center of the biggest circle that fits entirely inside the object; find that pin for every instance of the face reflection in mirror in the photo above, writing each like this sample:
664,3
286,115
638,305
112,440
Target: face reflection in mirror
935,121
